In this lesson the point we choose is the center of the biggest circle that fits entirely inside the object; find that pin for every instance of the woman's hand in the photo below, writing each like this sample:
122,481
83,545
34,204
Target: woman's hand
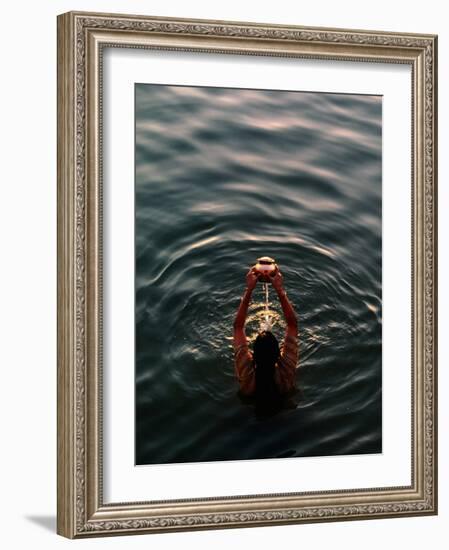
277,280
251,278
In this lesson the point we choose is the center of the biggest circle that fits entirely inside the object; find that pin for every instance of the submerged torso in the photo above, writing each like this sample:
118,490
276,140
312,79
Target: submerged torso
284,371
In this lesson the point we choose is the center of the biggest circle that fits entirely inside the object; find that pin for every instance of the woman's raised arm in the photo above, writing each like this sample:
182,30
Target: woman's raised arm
240,318
287,308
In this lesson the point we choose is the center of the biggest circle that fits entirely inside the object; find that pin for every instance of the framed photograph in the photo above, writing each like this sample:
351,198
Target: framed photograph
247,276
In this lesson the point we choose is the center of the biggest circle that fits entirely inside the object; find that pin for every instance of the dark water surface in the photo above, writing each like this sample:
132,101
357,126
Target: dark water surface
224,176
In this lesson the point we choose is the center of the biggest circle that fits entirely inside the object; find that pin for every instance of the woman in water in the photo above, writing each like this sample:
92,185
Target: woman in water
268,373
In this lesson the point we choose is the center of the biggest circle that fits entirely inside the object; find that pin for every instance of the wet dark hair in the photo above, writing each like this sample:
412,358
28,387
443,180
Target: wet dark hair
266,353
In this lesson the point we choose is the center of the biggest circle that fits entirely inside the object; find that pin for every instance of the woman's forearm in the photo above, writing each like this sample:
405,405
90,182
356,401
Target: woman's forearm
287,308
240,318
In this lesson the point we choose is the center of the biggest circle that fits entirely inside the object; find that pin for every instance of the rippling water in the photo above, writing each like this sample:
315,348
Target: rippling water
224,176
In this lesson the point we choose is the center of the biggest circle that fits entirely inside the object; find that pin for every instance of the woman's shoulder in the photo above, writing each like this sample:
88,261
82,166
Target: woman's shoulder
242,347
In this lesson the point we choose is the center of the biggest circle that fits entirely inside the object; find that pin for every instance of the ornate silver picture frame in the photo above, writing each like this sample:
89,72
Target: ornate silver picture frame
82,509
